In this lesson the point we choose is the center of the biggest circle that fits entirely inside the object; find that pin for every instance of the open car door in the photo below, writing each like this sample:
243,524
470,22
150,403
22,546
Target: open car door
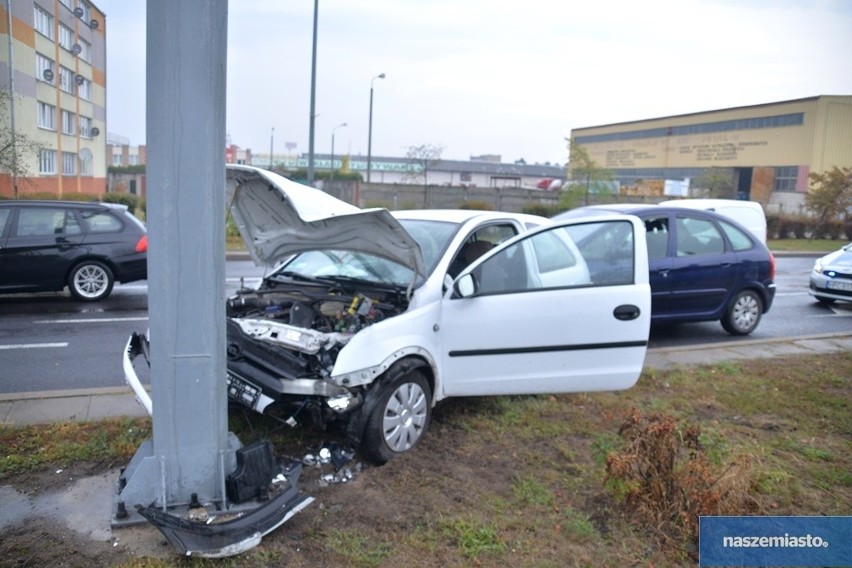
565,308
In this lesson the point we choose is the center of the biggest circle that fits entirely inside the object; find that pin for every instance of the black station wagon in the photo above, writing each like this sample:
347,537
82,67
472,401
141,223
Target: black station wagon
48,245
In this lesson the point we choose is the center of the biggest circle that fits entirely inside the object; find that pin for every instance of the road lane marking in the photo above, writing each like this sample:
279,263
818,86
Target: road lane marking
94,320
33,345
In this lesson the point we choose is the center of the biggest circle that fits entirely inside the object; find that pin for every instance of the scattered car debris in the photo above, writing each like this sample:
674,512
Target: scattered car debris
335,455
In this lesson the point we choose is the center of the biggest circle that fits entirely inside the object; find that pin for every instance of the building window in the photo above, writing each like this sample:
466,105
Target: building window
785,178
87,14
66,37
46,116
85,50
132,160
66,79
43,65
84,88
116,159
68,123
85,127
67,4
47,162
43,22
69,163
86,164
796,119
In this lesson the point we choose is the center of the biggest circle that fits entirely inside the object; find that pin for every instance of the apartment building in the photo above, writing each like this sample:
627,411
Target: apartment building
53,76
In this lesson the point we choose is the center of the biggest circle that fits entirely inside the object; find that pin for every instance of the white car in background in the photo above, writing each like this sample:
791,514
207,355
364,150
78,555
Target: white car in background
831,277
371,317
749,214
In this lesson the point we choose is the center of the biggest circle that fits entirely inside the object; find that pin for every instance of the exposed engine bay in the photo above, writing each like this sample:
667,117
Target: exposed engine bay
284,338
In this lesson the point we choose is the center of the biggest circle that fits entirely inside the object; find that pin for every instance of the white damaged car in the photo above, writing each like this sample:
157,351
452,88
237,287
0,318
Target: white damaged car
368,318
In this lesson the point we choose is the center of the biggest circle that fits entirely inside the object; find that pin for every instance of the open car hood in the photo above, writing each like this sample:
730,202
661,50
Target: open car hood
277,218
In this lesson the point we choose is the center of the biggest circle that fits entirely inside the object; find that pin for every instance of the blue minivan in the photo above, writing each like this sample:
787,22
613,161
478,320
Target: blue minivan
703,266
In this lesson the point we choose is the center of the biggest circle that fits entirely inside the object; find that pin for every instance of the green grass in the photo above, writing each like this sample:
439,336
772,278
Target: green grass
804,245
32,448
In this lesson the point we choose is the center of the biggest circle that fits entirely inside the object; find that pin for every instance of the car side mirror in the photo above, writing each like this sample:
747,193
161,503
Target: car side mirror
465,286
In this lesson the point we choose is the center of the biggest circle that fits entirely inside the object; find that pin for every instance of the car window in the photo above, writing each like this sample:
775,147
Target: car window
657,236
739,240
552,253
70,225
554,259
4,215
102,222
40,222
482,240
698,237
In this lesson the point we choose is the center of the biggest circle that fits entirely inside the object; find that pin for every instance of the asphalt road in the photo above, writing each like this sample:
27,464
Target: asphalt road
50,342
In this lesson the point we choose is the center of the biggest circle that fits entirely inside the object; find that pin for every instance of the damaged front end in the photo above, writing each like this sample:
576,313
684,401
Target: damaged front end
283,341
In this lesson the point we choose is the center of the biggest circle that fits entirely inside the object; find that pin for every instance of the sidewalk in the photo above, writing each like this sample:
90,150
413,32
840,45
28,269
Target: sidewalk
21,409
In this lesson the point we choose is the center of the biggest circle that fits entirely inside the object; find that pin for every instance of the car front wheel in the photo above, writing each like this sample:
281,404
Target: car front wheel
90,281
743,313
400,418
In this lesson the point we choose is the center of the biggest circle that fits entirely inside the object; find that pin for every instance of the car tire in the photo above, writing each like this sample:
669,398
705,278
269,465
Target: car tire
824,301
90,281
743,313
399,419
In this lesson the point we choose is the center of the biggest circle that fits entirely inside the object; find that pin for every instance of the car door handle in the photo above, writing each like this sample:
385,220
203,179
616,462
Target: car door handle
664,273
626,312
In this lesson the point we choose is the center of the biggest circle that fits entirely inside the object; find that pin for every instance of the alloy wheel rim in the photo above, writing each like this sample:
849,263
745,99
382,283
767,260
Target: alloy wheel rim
90,281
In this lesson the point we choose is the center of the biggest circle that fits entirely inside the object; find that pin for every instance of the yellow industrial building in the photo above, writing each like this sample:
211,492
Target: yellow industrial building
766,151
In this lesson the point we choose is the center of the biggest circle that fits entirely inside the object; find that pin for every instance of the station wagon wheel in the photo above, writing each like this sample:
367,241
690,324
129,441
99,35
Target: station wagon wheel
743,313
399,419
90,281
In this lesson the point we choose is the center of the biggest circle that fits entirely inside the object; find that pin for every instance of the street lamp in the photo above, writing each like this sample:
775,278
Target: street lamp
370,129
332,148
271,142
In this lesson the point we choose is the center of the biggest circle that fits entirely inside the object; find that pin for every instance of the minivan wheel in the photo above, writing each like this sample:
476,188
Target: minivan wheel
90,281
743,313
400,418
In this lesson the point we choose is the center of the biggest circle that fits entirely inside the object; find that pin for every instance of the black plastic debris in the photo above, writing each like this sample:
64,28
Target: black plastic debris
229,534
256,466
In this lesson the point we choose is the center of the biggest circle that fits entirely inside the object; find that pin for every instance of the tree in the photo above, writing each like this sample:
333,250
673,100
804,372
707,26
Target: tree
420,159
585,176
830,196
714,182
15,147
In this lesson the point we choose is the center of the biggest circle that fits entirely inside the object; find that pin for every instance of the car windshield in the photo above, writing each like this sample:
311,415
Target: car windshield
432,236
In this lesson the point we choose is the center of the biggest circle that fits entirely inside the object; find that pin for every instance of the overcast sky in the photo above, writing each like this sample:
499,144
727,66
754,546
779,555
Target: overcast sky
491,77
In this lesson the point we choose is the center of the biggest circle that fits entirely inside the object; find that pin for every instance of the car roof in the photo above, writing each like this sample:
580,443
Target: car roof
461,216
60,203
594,210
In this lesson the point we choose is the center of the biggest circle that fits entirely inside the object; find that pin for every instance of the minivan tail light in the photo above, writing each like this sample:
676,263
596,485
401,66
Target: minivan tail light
142,245
771,266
